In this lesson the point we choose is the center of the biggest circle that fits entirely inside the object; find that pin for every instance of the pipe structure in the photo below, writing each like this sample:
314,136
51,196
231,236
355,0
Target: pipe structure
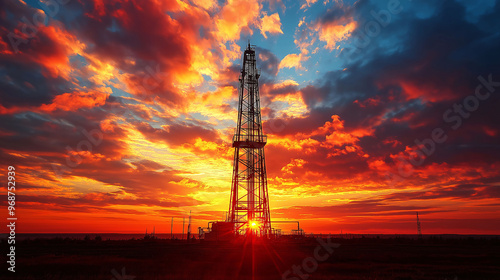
286,222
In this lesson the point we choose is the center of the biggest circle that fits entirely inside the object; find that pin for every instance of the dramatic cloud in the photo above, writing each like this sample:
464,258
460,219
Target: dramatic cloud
333,29
293,61
270,24
120,115
235,17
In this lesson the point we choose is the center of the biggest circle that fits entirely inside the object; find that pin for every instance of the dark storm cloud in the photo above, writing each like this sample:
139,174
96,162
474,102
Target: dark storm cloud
117,30
403,91
229,76
48,143
432,54
267,62
151,48
52,134
24,81
283,90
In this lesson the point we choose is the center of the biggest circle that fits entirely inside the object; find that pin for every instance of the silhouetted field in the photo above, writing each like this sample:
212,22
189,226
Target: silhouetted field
164,259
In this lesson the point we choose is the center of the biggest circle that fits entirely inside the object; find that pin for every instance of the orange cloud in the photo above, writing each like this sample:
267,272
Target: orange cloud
51,47
66,102
11,110
164,159
285,87
336,31
214,104
293,61
76,100
425,91
336,139
205,4
237,16
296,162
271,24
308,3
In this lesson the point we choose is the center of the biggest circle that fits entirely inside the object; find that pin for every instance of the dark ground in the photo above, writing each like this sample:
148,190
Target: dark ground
162,259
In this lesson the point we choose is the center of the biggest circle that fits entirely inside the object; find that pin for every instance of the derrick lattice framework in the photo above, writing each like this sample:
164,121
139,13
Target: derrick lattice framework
419,230
249,204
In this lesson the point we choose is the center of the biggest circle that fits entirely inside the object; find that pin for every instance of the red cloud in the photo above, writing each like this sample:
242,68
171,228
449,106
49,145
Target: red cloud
75,101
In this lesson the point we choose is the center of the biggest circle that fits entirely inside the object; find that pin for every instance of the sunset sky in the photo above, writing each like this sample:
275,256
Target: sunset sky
118,115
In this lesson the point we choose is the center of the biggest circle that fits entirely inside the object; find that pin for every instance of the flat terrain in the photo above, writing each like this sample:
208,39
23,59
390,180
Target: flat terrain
164,259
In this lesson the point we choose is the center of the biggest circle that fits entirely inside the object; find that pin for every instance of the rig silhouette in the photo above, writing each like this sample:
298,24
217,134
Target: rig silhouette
248,213
249,204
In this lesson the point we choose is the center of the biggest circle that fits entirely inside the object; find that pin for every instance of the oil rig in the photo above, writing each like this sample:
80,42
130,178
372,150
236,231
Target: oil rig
419,230
248,213
249,204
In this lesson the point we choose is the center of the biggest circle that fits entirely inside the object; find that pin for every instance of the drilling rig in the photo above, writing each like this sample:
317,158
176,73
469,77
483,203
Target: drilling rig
248,213
249,202
418,228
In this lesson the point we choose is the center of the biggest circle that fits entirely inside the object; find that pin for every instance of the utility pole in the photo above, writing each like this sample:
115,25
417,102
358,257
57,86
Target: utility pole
172,228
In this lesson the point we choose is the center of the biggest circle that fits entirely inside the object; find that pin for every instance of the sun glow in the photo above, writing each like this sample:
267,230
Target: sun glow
254,224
